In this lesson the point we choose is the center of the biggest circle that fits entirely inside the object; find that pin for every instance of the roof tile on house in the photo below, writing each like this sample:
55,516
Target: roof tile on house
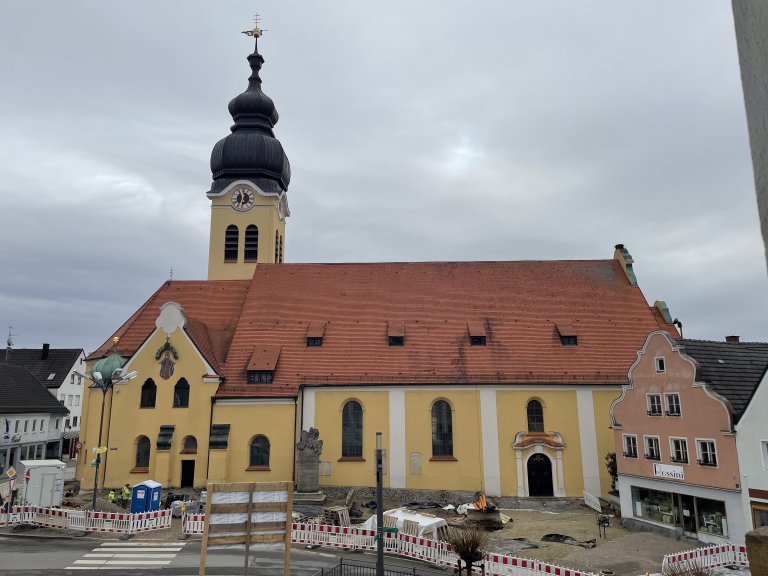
212,308
21,392
517,302
732,369
51,370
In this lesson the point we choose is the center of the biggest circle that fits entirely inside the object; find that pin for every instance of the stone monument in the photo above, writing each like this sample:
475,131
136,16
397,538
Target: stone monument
308,452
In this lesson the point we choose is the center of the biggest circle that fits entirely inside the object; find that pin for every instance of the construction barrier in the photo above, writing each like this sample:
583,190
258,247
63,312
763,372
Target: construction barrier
709,557
86,520
435,552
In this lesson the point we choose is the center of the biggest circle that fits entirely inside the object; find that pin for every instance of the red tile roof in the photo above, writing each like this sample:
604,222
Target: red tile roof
212,308
516,304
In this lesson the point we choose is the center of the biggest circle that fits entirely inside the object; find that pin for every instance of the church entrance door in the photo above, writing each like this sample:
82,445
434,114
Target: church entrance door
540,476
187,473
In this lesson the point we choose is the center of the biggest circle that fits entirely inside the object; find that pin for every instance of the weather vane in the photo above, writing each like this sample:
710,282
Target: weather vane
256,32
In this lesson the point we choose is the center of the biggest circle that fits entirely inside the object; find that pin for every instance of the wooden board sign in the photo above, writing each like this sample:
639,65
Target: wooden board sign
248,513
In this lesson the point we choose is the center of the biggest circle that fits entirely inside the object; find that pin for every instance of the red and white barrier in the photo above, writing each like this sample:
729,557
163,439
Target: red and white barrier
709,557
87,520
432,551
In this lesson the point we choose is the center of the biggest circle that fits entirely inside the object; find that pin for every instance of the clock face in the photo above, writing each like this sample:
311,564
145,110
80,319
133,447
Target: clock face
242,199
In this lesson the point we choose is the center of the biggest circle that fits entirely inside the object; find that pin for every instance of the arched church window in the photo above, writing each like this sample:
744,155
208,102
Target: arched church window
259,452
148,394
142,452
189,445
535,416
231,240
352,430
181,394
442,429
251,243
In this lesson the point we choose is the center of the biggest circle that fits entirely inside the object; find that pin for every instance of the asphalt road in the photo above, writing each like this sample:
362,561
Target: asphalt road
29,555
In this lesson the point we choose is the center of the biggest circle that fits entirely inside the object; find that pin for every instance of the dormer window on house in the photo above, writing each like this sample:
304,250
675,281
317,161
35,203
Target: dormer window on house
260,376
673,404
568,336
315,333
261,367
654,404
661,365
396,333
477,335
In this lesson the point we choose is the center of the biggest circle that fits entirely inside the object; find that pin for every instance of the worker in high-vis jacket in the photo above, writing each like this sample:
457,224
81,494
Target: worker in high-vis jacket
126,495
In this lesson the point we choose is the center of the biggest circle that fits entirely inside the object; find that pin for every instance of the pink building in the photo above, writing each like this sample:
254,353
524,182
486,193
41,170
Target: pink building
675,435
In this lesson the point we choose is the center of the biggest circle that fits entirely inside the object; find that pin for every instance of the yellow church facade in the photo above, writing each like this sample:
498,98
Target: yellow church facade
493,376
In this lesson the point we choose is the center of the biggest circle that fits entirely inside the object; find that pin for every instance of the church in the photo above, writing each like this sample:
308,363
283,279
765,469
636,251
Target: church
492,376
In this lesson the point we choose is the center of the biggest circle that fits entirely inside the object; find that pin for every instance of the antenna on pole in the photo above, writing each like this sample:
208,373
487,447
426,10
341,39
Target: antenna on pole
9,343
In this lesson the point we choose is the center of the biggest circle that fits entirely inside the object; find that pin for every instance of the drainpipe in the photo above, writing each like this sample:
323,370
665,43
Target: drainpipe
208,452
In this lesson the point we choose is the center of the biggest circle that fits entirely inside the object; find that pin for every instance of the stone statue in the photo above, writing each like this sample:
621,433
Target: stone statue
308,451
310,440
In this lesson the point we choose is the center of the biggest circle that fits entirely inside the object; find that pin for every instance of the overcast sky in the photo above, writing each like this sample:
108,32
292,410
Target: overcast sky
430,130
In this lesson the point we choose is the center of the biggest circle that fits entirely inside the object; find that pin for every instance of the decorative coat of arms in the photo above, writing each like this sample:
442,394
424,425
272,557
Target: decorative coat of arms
167,365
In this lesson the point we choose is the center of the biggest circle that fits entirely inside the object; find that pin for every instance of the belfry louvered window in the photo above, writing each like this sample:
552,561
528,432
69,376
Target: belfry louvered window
281,249
251,243
352,430
277,238
442,429
231,240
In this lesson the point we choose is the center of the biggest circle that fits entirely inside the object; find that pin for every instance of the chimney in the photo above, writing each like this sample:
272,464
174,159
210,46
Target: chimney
624,258
734,339
44,355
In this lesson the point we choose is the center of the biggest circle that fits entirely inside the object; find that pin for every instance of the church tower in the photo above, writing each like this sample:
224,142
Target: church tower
249,194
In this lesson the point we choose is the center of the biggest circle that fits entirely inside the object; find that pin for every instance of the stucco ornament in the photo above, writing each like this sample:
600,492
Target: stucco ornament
309,440
171,318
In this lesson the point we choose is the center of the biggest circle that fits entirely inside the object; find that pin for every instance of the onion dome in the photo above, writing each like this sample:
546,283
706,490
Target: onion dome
251,152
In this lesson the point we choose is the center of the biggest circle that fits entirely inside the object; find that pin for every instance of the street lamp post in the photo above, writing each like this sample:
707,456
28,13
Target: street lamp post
111,365
379,507
100,384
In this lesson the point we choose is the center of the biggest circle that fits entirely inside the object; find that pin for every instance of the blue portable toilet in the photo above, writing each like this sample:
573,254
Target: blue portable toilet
145,497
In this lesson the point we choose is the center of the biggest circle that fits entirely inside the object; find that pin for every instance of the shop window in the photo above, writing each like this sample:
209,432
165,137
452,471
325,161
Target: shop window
759,515
630,446
352,430
652,448
148,394
535,413
654,404
654,505
673,404
711,517
181,394
705,452
259,453
679,450
143,447
442,430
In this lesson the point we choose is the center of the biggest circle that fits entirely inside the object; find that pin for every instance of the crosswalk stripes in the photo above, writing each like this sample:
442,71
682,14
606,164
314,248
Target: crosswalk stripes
125,555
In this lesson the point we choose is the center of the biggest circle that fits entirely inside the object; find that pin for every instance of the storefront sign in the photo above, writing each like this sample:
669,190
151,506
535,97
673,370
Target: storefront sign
667,471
